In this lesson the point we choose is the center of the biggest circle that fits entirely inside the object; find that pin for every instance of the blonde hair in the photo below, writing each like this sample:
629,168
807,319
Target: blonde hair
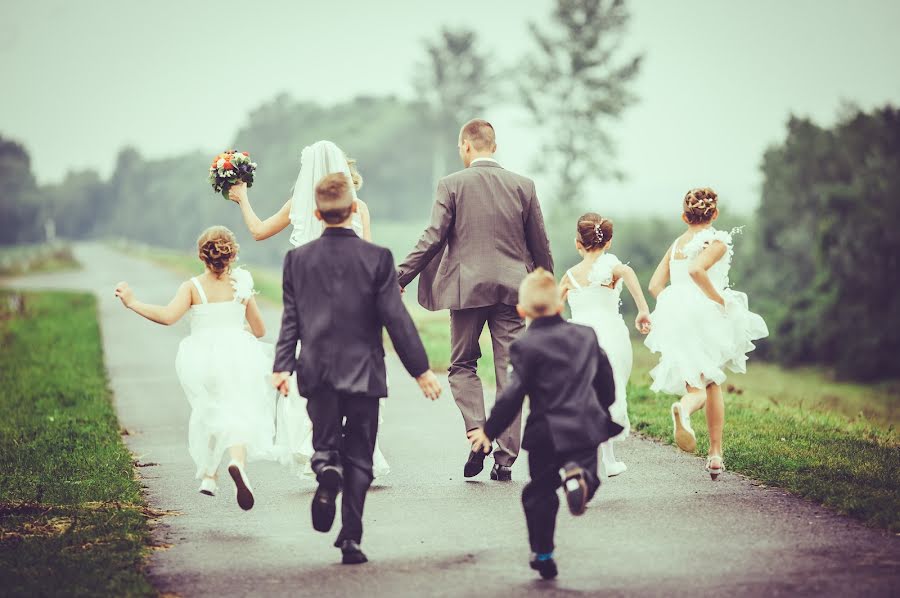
700,205
354,174
217,248
333,198
539,295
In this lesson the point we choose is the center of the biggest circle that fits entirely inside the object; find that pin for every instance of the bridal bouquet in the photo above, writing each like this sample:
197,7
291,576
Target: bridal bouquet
230,168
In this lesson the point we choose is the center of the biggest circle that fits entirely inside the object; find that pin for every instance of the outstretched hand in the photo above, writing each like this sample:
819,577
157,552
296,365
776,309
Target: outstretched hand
282,382
479,440
125,294
429,384
238,193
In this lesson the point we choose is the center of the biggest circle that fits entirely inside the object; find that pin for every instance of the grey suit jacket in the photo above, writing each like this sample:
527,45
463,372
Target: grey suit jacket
486,233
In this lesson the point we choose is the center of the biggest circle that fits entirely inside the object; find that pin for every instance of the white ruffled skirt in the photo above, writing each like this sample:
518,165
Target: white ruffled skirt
698,340
225,374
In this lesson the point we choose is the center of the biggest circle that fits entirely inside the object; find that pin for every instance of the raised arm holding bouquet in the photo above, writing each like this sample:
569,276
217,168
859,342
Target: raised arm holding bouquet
229,169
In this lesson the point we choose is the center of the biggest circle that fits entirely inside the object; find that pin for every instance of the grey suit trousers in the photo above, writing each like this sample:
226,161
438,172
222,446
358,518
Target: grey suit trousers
466,326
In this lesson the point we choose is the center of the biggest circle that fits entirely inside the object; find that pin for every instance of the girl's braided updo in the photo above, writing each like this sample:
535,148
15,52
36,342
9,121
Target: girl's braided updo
700,205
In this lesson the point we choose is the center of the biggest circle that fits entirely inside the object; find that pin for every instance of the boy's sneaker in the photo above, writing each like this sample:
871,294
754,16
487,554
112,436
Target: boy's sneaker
575,487
545,567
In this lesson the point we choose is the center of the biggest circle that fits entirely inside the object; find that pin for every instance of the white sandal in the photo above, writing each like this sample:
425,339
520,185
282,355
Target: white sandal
714,466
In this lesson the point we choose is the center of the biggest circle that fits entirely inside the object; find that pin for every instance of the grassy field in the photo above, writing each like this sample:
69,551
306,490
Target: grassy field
72,520
25,259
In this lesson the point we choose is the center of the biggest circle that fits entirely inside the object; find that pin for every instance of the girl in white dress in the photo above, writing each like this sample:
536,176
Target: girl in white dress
316,161
592,289
224,370
701,327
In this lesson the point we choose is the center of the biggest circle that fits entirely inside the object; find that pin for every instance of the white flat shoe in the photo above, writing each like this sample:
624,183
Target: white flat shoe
715,466
242,485
685,439
615,468
208,487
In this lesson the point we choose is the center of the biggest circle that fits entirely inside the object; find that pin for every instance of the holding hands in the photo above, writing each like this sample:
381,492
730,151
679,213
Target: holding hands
479,440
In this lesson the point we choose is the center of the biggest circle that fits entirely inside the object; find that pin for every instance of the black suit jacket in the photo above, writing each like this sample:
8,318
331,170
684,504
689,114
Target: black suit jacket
339,291
567,376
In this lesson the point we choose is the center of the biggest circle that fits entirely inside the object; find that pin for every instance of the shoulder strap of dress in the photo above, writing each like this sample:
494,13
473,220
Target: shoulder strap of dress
199,289
572,278
673,251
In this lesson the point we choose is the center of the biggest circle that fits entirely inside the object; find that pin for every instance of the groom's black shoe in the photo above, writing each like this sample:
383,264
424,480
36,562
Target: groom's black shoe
546,568
330,481
352,554
501,473
475,463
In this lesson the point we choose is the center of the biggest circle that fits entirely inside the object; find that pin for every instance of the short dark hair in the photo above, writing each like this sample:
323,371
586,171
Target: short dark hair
480,134
333,198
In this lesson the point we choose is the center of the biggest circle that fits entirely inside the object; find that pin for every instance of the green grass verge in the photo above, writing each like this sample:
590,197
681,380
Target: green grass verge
71,515
27,259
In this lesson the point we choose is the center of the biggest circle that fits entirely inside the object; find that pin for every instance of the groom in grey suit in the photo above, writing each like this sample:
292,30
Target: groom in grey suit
486,233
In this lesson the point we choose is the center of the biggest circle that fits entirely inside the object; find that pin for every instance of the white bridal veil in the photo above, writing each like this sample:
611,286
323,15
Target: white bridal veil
316,161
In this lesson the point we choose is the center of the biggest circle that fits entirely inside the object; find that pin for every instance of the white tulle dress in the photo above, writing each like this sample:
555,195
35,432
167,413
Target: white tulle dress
698,339
597,305
225,373
295,427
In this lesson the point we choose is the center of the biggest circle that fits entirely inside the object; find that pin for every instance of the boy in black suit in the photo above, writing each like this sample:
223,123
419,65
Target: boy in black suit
339,292
567,376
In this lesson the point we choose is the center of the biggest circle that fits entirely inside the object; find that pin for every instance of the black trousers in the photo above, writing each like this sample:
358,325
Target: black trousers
539,497
344,432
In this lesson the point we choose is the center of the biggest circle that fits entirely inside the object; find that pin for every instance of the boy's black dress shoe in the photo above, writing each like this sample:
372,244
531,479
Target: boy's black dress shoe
575,487
323,510
546,568
475,463
351,553
501,473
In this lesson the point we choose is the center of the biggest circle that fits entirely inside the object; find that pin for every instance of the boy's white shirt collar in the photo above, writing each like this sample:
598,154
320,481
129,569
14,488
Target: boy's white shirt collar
483,160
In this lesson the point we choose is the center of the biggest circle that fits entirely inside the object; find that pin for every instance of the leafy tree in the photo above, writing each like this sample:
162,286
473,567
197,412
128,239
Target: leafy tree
574,85
453,86
19,211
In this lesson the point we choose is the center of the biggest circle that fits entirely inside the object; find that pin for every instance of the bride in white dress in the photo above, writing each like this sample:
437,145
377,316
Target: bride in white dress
316,161
593,288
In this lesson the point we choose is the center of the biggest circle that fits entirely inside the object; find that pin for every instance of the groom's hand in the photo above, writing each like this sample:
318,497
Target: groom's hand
429,384
479,440
282,382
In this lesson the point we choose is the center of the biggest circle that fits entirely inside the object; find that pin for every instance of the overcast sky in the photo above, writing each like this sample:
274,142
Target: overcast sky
82,79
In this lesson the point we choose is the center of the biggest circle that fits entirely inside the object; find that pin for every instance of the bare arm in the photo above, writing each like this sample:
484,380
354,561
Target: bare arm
564,288
626,273
254,318
661,276
260,229
702,263
363,210
161,314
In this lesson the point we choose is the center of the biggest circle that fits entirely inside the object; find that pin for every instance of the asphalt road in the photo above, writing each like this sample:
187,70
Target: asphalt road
660,529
